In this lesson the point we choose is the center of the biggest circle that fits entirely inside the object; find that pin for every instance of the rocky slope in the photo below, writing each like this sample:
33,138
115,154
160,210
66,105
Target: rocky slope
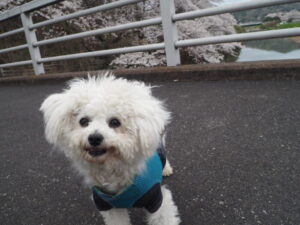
286,16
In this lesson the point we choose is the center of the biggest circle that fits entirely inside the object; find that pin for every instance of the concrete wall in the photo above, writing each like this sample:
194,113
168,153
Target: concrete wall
266,70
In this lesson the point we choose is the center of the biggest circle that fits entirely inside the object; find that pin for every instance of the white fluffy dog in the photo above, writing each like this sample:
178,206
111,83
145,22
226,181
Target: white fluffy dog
111,128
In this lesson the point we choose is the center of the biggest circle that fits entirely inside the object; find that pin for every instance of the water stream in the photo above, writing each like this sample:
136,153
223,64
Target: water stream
273,49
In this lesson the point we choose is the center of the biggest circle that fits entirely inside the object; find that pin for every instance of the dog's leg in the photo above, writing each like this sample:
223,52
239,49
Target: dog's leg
167,214
168,170
116,217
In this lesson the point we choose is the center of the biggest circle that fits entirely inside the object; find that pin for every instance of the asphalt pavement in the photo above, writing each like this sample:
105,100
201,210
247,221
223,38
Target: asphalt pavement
234,145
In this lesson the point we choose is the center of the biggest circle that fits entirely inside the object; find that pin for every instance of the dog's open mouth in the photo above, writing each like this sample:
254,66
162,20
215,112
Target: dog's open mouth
94,152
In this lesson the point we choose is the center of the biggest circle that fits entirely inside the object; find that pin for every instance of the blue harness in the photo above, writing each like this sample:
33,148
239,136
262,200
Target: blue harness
144,192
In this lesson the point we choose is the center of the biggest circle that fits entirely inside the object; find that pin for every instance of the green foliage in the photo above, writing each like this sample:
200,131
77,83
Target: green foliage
268,25
275,26
288,25
239,29
275,19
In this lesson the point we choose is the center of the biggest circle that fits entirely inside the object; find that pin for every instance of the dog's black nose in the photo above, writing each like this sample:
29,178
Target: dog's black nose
95,139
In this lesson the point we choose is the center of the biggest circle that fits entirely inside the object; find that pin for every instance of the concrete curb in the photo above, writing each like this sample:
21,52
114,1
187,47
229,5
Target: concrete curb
266,70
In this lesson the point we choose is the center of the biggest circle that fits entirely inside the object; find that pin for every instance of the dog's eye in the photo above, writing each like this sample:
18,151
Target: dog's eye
114,123
84,122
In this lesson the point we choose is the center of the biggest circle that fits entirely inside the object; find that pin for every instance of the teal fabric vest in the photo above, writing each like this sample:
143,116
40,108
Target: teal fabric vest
143,192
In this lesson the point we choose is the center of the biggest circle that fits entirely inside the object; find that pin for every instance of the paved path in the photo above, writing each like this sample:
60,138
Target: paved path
235,147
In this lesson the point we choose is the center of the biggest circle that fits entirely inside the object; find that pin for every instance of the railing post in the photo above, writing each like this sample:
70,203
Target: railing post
167,10
31,38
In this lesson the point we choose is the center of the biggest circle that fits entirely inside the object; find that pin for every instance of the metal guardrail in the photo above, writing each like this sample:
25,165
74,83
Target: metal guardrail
167,19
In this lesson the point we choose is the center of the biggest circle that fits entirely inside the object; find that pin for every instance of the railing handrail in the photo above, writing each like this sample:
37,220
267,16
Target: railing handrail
85,12
229,8
26,8
143,23
259,35
167,19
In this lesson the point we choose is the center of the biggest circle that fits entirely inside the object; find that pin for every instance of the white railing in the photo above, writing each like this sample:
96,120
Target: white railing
167,19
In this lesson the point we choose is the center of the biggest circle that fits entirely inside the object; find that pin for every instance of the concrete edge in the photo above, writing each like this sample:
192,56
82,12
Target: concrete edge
264,70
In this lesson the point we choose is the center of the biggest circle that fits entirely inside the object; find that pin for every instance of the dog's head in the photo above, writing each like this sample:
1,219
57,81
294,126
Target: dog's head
103,117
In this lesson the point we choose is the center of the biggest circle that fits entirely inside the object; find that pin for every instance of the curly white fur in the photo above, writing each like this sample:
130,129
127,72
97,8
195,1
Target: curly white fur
125,148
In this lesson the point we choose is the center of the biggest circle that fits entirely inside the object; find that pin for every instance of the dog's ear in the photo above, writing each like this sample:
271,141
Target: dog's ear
57,111
151,124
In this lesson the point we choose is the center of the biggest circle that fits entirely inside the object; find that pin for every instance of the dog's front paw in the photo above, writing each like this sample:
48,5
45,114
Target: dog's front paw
168,170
